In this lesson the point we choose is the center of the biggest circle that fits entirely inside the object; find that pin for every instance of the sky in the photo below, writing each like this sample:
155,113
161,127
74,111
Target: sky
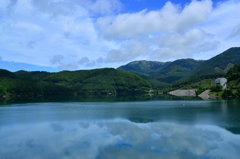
55,35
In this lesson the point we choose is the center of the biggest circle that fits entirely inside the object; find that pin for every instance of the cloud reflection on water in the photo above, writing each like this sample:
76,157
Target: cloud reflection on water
117,139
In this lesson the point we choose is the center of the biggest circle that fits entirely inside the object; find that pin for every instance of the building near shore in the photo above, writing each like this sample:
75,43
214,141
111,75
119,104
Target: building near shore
221,81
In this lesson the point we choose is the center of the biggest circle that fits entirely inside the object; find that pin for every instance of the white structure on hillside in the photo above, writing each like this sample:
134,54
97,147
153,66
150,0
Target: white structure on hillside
222,82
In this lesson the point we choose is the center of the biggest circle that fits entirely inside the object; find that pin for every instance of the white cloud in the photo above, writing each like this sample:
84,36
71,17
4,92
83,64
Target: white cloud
49,27
62,63
182,45
222,24
169,18
56,59
102,7
183,39
95,29
67,66
235,32
54,8
90,64
128,51
83,60
28,26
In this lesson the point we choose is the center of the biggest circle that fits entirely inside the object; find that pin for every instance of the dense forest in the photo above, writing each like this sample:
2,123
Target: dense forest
97,81
163,75
233,76
135,77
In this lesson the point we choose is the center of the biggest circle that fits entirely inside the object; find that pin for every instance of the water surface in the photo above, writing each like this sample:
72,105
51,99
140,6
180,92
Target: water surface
162,128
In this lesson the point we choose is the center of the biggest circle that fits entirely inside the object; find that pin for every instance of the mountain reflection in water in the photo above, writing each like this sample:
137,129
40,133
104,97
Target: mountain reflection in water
166,128
117,139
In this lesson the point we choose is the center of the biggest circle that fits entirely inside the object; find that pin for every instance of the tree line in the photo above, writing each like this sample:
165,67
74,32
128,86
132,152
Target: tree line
97,81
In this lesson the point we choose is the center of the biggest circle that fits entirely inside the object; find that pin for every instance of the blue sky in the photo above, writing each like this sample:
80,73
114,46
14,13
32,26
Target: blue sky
54,35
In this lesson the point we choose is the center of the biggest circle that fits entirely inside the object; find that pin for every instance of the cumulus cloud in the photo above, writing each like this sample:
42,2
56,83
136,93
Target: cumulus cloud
101,32
183,39
83,60
100,60
102,7
62,63
31,44
182,45
91,64
86,62
54,8
235,32
67,66
128,51
89,7
169,18
56,59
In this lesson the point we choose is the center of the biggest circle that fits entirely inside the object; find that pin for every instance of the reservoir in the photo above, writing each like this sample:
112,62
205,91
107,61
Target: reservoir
117,128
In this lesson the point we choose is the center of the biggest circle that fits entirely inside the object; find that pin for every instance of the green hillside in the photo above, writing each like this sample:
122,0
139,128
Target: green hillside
34,75
135,77
143,67
218,64
162,75
233,77
97,81
6,73
176,70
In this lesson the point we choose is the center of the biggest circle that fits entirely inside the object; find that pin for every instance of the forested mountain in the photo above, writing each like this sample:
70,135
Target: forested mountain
6,73
157,75
164,74
176,70
233,77
97,81
33,75
218,64
143,67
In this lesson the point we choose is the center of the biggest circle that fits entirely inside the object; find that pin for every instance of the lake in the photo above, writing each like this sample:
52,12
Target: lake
106,128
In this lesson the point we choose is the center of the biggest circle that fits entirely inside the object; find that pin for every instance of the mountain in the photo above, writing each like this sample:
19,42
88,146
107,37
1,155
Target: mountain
143,67
97,81
233,77
218,64
31,75
100,80
176,70
161,74
6,73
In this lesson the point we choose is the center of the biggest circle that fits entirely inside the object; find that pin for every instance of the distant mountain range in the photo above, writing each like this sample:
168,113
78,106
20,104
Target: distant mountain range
167,73
89,82
155,75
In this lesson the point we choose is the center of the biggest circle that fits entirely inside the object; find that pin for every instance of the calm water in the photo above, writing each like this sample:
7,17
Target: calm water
163,128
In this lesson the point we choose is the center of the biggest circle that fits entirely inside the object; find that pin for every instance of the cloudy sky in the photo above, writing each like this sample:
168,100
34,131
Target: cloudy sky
55,35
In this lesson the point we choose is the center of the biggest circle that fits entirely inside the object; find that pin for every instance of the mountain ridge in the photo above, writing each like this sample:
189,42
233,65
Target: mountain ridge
89,82
183,69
